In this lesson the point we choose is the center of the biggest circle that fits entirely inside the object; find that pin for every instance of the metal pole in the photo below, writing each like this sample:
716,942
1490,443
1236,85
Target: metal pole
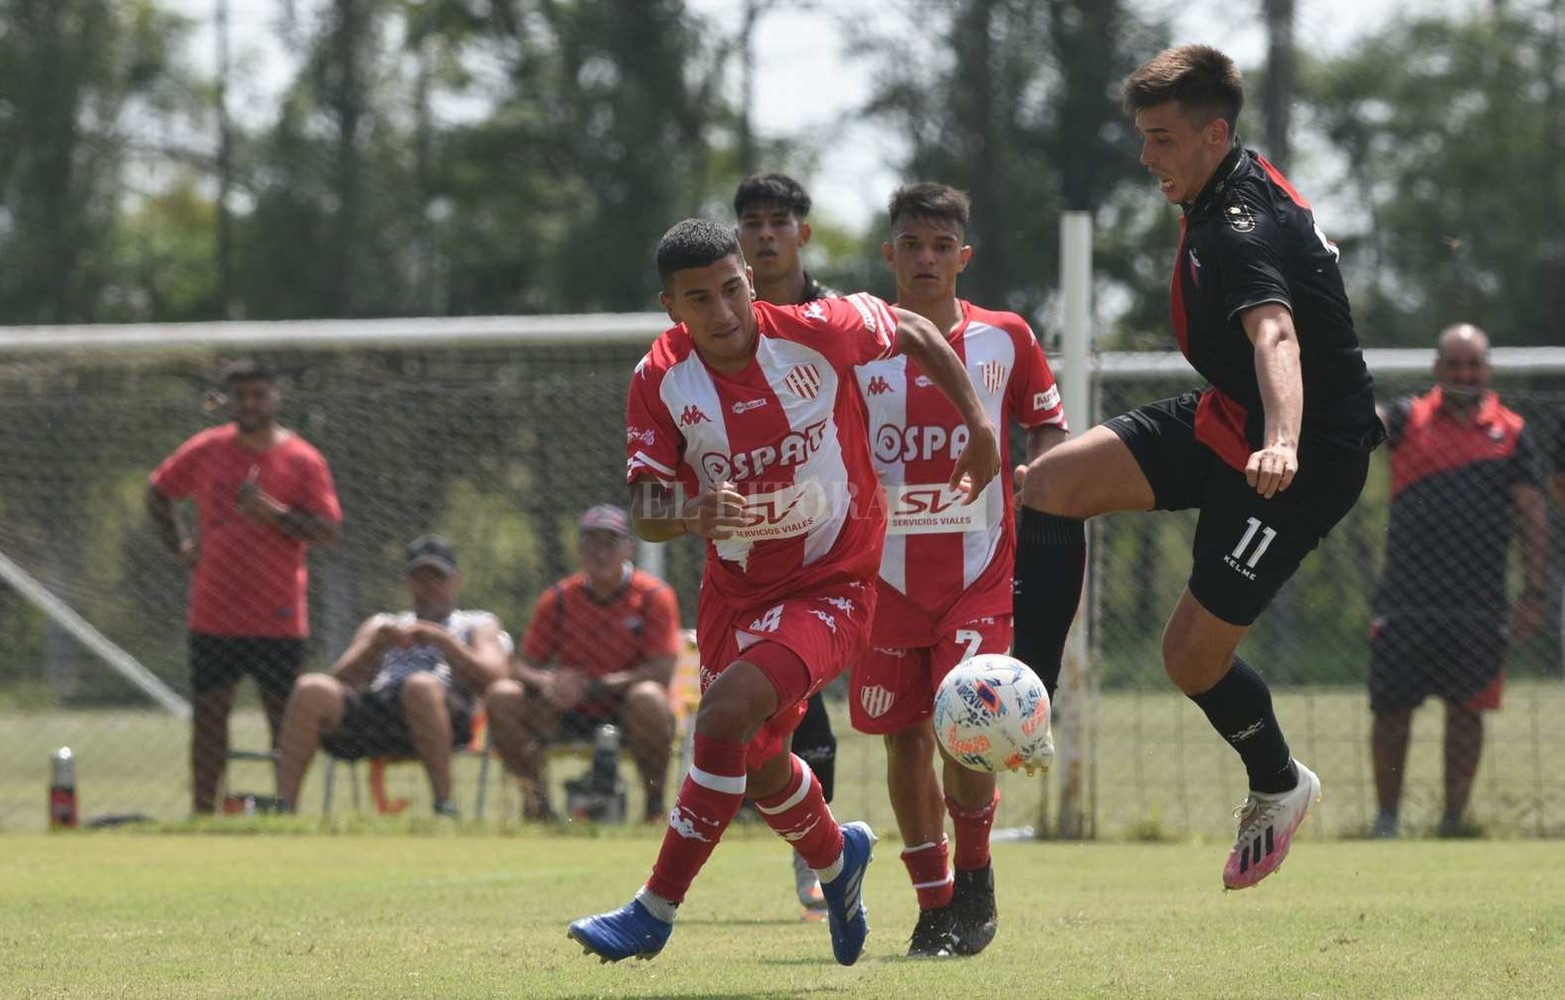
1072,728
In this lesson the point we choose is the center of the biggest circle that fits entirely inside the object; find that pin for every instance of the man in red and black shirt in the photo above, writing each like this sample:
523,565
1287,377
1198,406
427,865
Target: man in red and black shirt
600,649
1464,476
1272,453
263,496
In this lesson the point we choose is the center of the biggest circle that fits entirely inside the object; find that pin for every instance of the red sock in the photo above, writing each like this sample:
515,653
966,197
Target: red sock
972,833
799,814
928,869
707,802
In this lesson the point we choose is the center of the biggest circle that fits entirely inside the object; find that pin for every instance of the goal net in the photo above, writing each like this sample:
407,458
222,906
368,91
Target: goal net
498,433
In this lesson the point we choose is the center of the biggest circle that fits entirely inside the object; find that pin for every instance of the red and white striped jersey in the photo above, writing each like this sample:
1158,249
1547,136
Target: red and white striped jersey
789,431
937,550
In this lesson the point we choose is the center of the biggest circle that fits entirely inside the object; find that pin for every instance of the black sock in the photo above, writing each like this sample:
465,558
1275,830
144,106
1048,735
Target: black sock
816,745
1051,560
1239,707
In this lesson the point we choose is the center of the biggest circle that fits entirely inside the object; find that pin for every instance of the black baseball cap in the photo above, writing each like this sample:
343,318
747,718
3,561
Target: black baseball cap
431,550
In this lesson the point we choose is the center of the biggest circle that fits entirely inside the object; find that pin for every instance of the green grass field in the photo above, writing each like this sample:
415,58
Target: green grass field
1157,768
463,914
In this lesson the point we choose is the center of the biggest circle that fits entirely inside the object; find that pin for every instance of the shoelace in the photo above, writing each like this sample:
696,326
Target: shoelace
1252,814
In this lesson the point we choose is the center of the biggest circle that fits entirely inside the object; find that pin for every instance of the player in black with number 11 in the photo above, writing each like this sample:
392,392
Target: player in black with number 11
1272,453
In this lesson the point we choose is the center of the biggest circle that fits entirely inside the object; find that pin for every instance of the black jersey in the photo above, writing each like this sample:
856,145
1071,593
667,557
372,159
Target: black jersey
1249,238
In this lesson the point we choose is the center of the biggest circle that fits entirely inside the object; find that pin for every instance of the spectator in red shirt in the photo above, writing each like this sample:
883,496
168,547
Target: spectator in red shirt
600,649
263,496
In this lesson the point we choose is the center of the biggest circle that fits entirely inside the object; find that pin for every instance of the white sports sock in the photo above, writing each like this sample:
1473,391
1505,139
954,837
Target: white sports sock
830,872
656,905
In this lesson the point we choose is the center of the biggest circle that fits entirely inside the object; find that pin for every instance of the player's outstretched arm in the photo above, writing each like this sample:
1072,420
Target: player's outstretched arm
979,462
1270,328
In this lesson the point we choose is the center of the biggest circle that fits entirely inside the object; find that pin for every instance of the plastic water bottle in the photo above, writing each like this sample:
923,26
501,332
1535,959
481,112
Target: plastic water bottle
605,760
62,789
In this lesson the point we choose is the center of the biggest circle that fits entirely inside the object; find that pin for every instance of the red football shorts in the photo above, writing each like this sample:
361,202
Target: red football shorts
894,688
825,630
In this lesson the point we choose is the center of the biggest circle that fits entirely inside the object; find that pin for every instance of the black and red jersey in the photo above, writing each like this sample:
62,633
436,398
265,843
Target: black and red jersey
1249,238
1452,505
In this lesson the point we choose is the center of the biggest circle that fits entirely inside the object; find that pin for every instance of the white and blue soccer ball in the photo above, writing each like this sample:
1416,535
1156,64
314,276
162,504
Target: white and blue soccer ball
992,714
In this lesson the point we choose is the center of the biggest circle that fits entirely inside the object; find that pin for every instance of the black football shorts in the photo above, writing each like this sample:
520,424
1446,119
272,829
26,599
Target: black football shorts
1246,546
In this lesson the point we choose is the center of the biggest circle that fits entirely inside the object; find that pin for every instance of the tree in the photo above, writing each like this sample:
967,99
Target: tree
74,77
1449,128
1022,114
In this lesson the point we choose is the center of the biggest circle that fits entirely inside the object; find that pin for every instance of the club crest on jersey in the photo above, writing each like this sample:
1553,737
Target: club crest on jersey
877,701
804,381
1239,217
878,386
994,376
692,415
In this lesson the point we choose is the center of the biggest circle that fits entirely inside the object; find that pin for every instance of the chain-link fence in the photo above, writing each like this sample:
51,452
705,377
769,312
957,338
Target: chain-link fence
500,447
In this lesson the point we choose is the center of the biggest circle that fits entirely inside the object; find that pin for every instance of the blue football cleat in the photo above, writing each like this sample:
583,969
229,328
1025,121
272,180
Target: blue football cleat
845,894
630,932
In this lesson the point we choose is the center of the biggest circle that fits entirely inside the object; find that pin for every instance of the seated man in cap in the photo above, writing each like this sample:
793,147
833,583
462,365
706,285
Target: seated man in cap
406,686
600,649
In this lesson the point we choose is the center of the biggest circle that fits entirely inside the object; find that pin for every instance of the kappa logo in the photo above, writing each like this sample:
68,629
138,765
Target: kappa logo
692,415
746,406
993,376
830,620
645,436
769,622
804,381
841,604
1046,400
876,700
878,386
815,311
683,822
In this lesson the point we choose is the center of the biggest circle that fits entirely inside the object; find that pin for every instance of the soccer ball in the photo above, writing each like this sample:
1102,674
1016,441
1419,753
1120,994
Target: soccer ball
992,714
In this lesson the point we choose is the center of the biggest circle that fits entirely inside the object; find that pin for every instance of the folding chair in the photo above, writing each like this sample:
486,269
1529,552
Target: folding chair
385,805
479,743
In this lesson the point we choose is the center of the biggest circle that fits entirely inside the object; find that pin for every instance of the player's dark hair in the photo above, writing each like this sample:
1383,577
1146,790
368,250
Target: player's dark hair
929,201
694,243
772,189
246,370
1204,81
